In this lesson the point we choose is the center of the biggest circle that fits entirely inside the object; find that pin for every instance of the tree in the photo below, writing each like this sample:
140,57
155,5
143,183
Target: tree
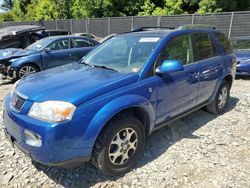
169,7
210,6
63,8
7,4
46,10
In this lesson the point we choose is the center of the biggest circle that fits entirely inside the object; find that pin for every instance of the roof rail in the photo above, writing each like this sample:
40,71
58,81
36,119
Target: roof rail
197,26
150,28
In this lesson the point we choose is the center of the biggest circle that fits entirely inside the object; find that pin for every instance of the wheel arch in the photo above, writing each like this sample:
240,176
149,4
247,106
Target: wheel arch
30,63
132,104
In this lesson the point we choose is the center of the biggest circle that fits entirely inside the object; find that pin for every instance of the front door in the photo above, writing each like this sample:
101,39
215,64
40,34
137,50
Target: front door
58,54
177,91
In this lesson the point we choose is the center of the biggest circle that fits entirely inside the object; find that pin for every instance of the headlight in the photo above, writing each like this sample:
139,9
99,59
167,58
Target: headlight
52,111
12,60
14,88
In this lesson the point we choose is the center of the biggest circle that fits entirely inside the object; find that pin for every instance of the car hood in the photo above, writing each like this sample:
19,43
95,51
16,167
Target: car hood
243,55
15,53
74,83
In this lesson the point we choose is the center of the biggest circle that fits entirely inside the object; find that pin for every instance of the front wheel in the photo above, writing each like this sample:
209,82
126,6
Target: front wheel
219,104
120,145
26,70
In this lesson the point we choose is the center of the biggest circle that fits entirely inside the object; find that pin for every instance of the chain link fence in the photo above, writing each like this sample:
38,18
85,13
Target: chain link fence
232,23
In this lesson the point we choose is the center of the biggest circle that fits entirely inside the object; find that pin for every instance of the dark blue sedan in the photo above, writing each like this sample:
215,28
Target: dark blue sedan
242,51
44,54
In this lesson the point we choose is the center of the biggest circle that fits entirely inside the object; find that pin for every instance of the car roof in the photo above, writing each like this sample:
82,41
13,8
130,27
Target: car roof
163,31
56,30
15,30
53,38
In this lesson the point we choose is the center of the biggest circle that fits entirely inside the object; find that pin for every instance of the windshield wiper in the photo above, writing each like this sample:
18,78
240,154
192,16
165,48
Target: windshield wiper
82,62
104,67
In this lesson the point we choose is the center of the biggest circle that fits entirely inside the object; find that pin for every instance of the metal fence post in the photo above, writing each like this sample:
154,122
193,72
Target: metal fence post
71,25
159,21
109,26
132,23
231,24
87,26
193,15
56,25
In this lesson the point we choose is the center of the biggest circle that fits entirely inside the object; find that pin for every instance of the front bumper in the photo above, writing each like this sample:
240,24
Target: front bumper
55,150
243,69
7,71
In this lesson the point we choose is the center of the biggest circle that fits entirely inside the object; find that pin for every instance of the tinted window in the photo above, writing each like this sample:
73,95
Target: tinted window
59,45
224,42
79,43
202,46
179,48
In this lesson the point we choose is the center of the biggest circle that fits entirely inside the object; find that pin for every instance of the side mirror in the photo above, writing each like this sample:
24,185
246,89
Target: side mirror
169,66
47,50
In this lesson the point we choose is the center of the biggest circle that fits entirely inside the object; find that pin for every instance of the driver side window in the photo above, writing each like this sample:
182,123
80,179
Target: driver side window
179,48
59,45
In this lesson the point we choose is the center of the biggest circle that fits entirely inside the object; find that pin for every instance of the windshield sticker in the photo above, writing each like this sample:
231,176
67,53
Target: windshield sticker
135,69
151,39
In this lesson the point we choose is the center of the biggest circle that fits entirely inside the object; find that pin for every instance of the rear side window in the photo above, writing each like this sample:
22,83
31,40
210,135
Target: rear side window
224,42
202,46
79,43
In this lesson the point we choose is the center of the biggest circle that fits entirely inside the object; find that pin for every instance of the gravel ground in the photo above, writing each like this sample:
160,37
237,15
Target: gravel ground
200,150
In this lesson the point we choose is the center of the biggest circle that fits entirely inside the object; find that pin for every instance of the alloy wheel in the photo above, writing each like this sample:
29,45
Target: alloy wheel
26,71
123,146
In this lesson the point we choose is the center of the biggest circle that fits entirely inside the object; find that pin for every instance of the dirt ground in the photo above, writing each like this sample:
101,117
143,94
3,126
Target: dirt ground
199,150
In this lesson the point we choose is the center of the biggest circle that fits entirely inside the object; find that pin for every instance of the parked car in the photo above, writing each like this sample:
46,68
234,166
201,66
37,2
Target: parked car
51,32
103,108
89,35
44,54
107,37
19,36
242,50
23,35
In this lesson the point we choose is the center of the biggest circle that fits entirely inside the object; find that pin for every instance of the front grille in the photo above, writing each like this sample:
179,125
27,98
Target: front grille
17,101
12,128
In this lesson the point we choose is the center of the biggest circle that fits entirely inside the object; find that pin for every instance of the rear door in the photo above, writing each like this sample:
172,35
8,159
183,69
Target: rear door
177,91
59,54
209,64
80,47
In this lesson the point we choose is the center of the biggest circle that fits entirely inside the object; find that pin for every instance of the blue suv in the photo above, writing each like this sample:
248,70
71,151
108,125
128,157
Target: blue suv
102,108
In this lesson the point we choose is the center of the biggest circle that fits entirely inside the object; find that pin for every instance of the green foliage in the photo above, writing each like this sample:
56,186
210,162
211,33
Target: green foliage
210,6
7,4
46,10
65,9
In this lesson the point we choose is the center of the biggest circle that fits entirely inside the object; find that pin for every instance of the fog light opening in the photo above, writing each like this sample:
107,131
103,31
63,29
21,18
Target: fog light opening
32,138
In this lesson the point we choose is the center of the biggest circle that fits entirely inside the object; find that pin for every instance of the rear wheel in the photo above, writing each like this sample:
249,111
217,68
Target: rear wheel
26,70
219,104
119,146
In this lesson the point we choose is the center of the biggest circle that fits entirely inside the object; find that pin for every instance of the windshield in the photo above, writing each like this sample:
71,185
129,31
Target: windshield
241,44
39,45
123,53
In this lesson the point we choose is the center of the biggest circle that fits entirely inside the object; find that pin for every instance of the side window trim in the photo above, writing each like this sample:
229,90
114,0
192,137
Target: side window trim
157,63
211,45
60,40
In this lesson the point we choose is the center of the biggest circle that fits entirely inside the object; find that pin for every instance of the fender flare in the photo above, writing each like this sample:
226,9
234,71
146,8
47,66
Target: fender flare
112,108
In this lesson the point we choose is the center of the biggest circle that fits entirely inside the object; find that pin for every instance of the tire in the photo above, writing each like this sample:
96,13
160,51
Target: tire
109,155
26,70
219,104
